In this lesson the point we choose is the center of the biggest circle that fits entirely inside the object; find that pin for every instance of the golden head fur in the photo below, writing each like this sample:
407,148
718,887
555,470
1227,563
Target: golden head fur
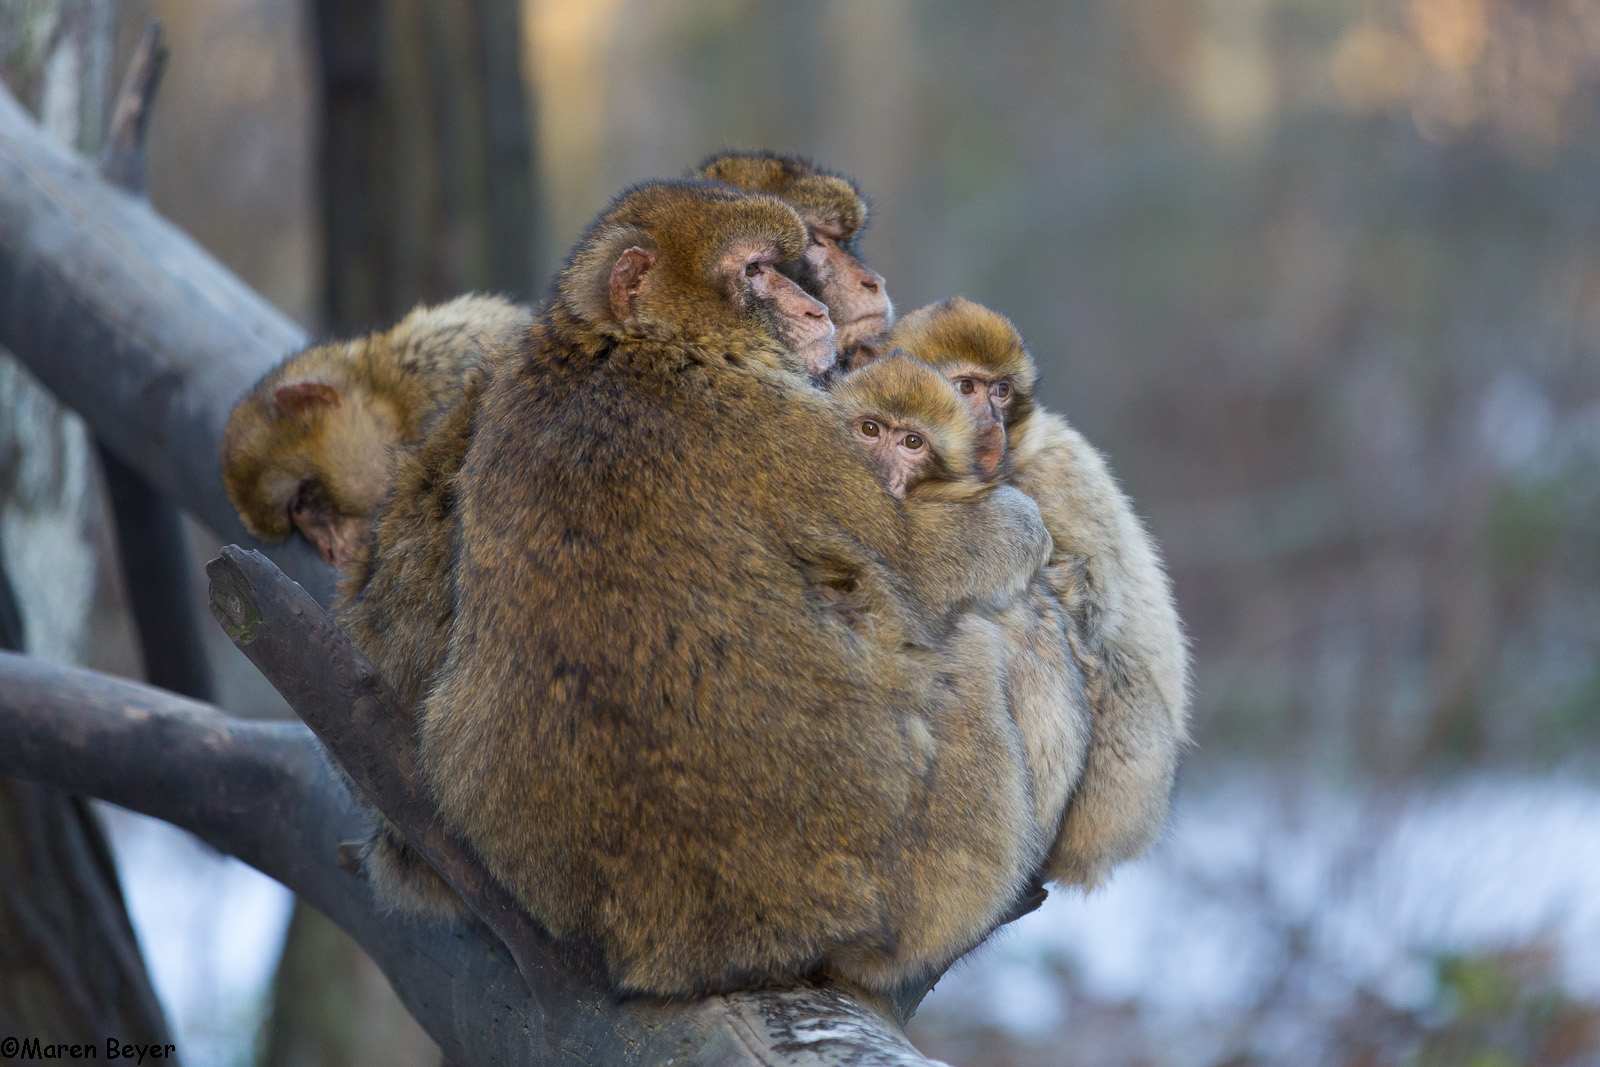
904,391
326,420
816,193
958,333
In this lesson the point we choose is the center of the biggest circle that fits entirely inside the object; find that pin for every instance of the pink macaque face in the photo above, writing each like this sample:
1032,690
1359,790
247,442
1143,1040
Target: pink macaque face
902,454
854,292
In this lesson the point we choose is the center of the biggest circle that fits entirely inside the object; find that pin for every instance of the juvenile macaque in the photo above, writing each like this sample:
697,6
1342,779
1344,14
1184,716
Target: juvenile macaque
926,446
835,214
653,722
1105,571
319,443
311,446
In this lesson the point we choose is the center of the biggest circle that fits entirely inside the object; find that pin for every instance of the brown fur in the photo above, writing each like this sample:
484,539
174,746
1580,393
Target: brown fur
398,604
834,273
318,432
1108,575
1044,687
365,415
654,722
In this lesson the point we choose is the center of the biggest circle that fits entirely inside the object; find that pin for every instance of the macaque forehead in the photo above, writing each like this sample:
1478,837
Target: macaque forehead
966,368
827,225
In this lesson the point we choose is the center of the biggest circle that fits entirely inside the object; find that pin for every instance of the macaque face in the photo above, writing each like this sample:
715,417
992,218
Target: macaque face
855,293
795,319
989,398
337,538
903,455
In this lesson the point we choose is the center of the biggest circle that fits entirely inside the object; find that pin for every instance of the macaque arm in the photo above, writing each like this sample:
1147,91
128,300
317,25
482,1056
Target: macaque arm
976,554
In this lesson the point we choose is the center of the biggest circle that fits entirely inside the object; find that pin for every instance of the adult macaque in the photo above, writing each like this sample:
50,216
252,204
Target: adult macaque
1106,572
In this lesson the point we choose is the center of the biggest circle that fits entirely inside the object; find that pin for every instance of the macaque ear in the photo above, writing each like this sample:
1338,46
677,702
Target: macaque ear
303,398
990,447
627,275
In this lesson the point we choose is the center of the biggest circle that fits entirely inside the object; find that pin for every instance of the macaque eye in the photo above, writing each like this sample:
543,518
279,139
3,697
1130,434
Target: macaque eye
1002,389
870,428
913,442
966,385
752,269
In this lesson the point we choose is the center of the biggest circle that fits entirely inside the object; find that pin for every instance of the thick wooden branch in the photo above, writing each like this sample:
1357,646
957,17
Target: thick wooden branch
132,325
262,792
122,160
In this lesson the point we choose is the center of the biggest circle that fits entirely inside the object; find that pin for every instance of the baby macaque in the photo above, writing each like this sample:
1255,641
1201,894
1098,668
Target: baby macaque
1105,571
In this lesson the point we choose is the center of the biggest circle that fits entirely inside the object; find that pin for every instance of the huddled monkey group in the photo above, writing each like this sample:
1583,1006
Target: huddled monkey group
751,635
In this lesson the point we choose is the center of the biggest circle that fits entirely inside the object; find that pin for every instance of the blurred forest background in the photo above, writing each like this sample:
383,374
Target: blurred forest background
1321,277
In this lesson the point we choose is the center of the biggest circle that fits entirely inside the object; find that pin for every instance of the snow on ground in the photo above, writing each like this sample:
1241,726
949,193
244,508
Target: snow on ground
1371,887
211,930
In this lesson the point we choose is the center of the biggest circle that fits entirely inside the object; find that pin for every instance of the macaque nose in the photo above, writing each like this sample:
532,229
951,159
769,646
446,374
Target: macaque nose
991,446
871,280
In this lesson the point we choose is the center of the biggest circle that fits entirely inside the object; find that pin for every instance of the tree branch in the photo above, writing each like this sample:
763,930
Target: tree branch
132,325
122,159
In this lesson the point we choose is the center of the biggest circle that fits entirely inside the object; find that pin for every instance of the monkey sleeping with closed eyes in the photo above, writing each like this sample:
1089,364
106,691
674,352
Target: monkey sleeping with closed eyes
1105,571
311,447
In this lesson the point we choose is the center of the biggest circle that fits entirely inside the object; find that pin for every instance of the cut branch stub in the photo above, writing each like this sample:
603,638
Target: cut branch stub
122,161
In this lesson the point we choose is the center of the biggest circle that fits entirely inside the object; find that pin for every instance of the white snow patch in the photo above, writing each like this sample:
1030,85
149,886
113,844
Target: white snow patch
211,930
1376,886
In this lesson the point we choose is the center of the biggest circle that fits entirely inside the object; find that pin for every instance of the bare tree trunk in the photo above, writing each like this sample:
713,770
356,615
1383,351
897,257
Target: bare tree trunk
427,155
70,969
